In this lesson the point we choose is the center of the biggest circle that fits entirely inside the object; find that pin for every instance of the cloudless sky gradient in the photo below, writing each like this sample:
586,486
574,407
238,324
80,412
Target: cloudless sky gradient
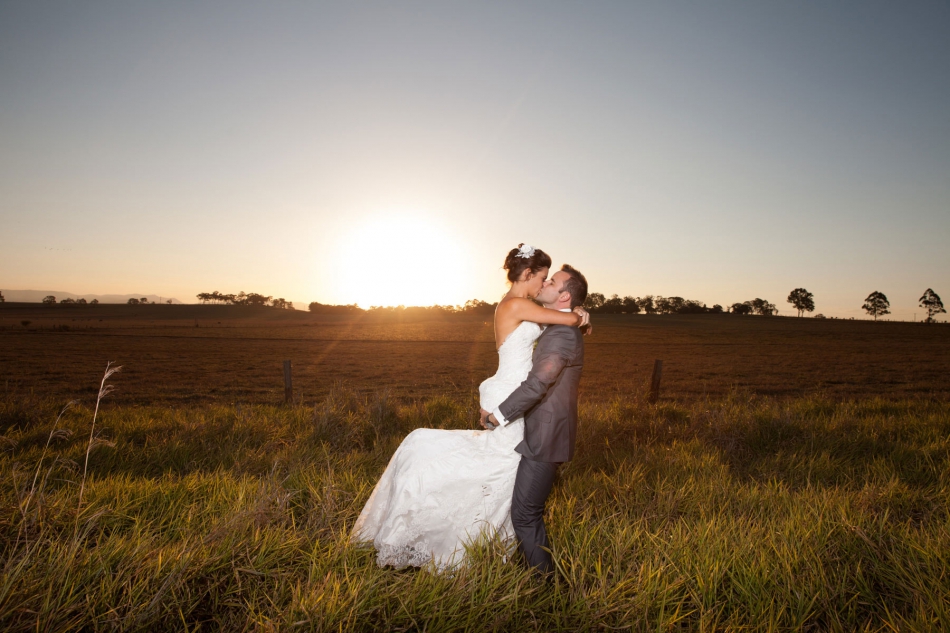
394,152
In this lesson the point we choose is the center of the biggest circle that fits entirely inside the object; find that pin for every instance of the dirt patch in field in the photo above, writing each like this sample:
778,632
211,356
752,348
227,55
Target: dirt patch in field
194,354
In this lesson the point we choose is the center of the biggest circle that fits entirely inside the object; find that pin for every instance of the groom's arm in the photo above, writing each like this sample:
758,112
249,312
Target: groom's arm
556,351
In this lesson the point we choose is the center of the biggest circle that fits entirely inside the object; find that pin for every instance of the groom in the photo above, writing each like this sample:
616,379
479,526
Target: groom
547,400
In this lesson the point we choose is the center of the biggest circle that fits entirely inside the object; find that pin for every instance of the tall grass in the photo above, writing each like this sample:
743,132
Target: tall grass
104,390
740,513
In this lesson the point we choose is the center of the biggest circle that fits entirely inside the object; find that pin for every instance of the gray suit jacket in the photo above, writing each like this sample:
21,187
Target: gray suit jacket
548,397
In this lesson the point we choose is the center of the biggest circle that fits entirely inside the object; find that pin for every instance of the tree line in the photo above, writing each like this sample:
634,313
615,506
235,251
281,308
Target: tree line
245,299
51,299
876,304
650,304
801,300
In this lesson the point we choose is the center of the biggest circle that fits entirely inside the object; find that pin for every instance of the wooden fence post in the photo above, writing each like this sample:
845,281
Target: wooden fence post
655,381
288,383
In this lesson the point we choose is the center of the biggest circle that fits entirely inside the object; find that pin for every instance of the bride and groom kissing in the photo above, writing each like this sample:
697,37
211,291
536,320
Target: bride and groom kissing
446,489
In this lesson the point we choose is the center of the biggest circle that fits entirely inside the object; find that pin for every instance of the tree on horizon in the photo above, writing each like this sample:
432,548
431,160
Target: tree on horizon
802,300
876,304
594,301
49,299
255,299
478,306
617,305
763,308
930,301
244,299
216,297
646,304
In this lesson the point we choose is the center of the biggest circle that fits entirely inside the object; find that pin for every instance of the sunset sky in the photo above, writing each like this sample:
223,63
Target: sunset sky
392,153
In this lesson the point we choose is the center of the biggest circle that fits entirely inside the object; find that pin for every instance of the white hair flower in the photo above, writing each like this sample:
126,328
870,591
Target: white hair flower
525,251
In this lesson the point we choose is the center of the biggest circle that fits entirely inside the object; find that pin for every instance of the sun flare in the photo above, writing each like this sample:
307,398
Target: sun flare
401,260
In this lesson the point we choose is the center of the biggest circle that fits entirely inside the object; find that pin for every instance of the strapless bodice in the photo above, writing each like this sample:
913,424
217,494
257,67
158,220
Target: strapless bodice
514,355
514,363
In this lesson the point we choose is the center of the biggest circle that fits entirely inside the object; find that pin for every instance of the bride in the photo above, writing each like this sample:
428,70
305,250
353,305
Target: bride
443,489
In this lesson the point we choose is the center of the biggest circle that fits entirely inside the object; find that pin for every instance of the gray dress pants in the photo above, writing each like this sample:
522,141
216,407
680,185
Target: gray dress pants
532,485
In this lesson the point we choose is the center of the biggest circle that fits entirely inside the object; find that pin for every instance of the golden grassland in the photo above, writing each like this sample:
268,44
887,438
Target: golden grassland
736,506
739,514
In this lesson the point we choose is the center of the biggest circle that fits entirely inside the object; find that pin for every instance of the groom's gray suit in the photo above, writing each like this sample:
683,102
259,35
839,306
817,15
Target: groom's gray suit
548,401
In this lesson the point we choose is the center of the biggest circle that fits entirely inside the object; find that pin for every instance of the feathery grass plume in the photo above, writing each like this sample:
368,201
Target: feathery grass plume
104,390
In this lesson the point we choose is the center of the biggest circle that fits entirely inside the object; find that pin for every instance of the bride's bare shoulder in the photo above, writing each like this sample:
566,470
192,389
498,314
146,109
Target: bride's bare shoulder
507,318
509,305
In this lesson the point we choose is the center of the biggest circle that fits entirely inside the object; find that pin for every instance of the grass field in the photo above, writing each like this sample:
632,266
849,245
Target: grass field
737,504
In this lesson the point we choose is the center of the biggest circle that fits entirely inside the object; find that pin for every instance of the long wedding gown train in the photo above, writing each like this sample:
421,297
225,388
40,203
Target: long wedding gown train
443,488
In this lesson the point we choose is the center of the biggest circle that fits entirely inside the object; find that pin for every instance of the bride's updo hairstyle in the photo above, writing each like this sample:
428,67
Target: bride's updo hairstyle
525,258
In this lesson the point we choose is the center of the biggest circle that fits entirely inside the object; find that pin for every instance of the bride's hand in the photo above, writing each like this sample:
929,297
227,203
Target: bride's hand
585,325
585,316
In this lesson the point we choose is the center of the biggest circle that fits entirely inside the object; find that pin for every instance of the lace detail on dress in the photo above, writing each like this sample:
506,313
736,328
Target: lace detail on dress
400,556
443,489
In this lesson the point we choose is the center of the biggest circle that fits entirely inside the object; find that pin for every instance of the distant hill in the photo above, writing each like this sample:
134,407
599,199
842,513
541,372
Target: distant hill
36,296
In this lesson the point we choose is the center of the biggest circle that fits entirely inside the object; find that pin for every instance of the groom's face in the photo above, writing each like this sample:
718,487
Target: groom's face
552,288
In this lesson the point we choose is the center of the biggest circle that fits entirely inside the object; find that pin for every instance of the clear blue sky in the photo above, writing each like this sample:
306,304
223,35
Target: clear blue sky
718,151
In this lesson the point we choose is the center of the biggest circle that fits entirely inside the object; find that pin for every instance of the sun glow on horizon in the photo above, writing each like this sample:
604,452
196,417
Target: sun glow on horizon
400,259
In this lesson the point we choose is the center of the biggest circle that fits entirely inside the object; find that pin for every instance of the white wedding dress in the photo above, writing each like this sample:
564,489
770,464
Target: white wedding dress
443,489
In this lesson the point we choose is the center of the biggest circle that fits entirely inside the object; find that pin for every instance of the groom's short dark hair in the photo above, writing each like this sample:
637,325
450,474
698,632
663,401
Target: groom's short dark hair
576,284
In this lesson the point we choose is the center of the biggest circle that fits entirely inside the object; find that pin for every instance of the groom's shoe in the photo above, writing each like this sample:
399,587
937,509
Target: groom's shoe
543,578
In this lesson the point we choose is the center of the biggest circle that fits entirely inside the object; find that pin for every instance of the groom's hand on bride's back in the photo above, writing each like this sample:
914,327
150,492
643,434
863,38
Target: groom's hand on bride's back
484,418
